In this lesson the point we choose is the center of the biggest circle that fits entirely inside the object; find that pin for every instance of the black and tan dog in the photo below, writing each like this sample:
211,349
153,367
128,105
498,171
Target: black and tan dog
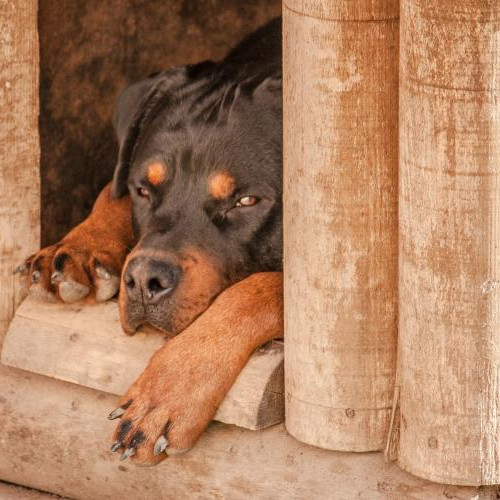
192,222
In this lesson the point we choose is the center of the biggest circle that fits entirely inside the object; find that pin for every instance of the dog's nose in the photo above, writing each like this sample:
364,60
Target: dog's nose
150,279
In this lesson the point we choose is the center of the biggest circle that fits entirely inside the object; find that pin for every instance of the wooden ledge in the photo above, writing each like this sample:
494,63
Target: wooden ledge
85,345
55,437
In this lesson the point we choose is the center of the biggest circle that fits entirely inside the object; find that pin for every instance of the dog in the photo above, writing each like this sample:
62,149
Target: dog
190,232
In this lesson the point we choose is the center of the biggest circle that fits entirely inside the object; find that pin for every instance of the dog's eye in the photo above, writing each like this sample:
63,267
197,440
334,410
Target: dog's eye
143,192
247,201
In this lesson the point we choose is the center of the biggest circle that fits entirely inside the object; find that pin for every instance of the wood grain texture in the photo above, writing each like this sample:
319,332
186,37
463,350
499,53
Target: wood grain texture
340,215
85,345
19,148
346,10
449,356
13,492
55,437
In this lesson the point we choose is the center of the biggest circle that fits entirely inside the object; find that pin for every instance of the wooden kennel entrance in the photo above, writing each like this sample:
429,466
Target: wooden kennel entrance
391,141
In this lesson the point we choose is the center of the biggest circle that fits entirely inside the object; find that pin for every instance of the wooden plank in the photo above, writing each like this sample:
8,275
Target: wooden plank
449,307
15,492
85,345
19,148
340,91
55,438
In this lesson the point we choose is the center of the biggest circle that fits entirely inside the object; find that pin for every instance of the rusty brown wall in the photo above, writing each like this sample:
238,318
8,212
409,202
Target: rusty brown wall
90,50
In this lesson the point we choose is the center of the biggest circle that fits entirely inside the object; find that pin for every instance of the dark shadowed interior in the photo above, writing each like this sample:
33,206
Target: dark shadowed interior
90,50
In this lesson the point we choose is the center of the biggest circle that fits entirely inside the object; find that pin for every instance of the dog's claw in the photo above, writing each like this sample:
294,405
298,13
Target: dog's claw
102,273
21,269
116,446
160,445
116,413
56,277
129,452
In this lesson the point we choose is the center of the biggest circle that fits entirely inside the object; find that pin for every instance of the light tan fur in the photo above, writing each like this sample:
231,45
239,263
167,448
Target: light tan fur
221,185
157,173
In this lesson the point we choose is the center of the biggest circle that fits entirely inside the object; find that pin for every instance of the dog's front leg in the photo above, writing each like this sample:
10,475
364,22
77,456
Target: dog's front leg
87,262
170,404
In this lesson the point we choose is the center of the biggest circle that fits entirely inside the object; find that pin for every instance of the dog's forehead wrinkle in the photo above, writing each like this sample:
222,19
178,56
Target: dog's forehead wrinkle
203,148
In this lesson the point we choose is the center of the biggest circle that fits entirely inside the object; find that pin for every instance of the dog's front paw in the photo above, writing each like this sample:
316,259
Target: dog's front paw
87,262
170,404
72,271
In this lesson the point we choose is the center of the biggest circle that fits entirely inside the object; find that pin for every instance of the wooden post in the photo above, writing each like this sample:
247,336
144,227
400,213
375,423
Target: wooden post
449,359
340,196
55,437
19,148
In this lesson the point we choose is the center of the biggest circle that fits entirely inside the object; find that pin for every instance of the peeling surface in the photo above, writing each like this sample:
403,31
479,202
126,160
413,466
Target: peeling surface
340,215
449,311
19,149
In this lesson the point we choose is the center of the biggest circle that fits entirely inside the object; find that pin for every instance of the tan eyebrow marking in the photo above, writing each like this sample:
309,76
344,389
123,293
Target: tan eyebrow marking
221,185
157,173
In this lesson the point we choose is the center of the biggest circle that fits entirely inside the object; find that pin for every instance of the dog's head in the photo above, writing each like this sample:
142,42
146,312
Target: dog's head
201,156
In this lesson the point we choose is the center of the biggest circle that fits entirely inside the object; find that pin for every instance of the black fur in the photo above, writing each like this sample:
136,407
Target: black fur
198,120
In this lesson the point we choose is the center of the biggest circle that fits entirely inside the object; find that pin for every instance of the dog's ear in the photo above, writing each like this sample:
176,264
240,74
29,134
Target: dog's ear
269,92
257,99
137,105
